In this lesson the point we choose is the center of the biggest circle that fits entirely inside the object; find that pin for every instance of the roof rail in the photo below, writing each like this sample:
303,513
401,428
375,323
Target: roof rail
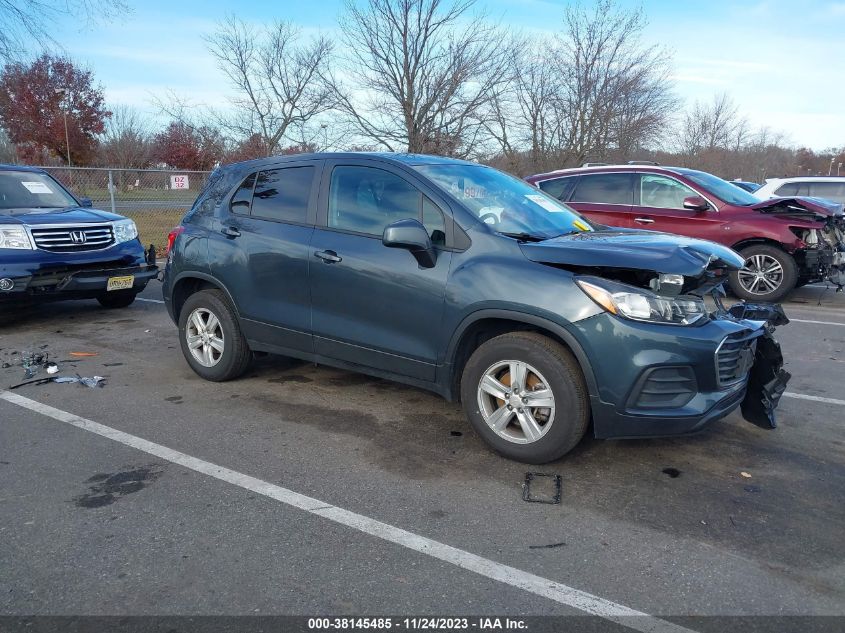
644,162
594,164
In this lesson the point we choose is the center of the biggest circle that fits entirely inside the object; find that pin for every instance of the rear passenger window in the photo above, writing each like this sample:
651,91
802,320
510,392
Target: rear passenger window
604,188
283,194
243,196
789,189
560,188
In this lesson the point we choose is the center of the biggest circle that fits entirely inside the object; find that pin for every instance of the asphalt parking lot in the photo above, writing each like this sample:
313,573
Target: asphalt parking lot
307,490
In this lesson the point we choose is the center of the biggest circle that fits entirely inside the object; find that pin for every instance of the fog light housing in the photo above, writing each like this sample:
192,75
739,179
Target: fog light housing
6,284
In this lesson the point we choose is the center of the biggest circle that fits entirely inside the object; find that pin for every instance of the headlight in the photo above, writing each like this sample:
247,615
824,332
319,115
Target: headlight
124,230
639,304
14,236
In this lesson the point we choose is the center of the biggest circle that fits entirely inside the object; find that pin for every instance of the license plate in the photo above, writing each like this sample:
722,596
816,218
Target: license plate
120,283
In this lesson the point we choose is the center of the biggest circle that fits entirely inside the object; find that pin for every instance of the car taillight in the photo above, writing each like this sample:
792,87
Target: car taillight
171,237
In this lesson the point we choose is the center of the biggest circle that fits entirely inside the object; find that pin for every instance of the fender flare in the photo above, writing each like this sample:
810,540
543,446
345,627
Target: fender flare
194,274
529,319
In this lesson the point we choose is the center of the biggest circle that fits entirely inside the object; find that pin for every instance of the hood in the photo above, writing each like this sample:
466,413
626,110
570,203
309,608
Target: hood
634,250
69,215
816,207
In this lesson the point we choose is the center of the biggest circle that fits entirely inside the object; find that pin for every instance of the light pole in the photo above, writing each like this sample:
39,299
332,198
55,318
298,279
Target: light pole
838,167
325,128
830,169
62,92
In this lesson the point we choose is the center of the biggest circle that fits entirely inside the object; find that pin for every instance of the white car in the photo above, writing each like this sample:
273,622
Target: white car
828,187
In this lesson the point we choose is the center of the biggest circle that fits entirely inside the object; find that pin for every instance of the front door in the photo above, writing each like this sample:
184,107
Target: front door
659,206
372,305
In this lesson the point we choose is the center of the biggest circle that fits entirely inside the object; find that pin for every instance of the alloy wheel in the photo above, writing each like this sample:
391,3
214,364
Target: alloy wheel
205,338
761,275
516,401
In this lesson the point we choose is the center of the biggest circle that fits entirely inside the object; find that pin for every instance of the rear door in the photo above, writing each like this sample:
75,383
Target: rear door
260,252
605,197
659,206
373,305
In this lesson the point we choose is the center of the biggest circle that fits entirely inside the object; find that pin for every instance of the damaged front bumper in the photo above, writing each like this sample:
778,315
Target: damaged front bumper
37,276
657,381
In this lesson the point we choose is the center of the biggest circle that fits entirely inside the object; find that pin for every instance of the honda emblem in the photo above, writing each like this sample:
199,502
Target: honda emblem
78,237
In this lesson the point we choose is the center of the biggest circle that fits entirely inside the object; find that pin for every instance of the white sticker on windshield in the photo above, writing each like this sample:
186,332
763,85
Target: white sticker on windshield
544,202
36,187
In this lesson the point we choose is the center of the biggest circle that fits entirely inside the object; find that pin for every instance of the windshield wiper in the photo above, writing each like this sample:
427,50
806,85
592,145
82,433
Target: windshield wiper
524,237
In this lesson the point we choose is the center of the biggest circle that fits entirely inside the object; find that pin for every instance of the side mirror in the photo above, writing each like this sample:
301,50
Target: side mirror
412,236
86,202
696,203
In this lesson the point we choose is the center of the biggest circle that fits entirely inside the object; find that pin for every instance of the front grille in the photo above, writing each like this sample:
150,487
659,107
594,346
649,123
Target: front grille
735,356
70,239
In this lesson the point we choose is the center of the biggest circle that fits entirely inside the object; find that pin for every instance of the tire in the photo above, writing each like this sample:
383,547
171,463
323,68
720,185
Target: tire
117,299
212,362
785,276
547,364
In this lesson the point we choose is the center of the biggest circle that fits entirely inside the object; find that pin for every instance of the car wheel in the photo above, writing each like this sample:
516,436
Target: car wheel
117,299
211,338
525,395
769,274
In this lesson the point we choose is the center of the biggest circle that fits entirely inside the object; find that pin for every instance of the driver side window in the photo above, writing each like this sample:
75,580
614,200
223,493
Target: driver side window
661,192
367,199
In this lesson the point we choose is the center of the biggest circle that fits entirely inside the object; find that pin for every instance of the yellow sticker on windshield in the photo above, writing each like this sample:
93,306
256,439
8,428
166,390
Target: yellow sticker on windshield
578,224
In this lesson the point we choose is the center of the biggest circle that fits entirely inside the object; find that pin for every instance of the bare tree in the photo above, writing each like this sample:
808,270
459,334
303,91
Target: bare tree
424,72
616,92
279,81
591,91
717,125
126,142
525,117
24,20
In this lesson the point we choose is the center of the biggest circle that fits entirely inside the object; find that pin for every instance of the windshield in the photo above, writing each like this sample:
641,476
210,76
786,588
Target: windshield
31,190
722,189
509,205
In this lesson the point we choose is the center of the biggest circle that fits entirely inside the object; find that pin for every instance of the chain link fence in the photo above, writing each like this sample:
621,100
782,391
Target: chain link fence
156,199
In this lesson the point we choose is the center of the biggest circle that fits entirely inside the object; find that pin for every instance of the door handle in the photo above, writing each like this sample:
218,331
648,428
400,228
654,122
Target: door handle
644,220
230,231
330,257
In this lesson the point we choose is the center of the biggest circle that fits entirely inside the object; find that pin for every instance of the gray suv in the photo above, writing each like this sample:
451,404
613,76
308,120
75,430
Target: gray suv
460,279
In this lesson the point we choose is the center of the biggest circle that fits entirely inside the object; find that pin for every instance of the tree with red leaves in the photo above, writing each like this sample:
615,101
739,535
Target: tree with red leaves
34,99
252,147
182,146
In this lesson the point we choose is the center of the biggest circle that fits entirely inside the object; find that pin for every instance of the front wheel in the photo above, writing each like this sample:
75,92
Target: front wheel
525,396
211,339
769,274
117,299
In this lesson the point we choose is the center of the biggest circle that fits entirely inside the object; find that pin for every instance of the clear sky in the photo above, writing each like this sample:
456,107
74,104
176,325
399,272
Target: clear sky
783,61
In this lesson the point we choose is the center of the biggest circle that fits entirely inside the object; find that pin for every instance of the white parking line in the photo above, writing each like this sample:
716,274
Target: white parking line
801,396
526,581
806,321
149,300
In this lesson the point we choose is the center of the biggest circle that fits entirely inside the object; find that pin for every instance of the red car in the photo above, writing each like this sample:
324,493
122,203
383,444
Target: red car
786,242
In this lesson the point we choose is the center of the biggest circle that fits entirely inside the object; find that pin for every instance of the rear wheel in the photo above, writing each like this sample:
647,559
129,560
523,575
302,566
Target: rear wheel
769,274
117,299
525,395
210,337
